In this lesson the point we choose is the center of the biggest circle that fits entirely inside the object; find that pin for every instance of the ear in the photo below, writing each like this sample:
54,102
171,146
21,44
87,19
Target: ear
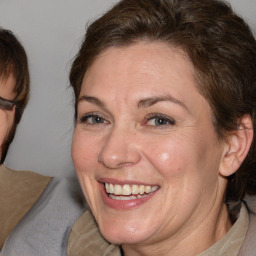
237,145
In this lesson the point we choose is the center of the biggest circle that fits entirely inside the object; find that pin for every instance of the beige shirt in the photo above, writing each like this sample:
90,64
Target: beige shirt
19,190
231,243
86,240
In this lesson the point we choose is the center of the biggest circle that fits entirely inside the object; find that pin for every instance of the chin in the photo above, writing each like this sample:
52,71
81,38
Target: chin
119,234
123,238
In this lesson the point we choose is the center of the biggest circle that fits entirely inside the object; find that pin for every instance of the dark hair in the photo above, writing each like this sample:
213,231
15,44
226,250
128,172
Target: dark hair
219,44
13,60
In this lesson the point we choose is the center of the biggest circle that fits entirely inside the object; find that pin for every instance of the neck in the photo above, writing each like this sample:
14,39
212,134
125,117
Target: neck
212,229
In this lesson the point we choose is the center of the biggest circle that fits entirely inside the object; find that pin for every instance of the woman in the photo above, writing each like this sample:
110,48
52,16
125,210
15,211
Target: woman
165,118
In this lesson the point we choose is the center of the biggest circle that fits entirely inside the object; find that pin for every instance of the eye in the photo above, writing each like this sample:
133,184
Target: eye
159,120
92,119
6,104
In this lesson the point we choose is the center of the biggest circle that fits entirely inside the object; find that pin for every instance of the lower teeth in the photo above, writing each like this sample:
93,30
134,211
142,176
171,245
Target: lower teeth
126,197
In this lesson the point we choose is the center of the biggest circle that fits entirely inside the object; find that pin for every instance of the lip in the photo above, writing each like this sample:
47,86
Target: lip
123,204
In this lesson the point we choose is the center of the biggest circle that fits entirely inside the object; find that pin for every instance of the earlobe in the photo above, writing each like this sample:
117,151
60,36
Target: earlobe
237,146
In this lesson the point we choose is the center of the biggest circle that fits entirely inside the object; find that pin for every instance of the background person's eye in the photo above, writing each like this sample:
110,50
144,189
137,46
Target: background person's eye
6,104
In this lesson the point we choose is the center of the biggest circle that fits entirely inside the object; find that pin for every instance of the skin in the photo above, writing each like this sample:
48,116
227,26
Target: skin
7,86
184,158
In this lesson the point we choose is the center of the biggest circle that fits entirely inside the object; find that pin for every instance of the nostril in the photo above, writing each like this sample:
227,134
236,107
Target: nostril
118,150
119,158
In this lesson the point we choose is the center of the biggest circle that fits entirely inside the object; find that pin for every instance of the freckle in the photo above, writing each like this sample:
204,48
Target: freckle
165,156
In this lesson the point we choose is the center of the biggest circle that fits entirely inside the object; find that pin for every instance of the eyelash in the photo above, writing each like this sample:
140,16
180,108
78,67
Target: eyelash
165,120
84,119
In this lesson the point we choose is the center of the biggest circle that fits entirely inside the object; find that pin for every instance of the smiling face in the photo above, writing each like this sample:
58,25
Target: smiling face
6,113
145,149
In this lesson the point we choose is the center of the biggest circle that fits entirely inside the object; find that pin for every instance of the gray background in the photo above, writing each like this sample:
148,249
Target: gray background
51,31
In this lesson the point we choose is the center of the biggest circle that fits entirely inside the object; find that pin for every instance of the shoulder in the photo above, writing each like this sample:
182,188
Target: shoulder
251,204
45,228
19,190
249,244
21,177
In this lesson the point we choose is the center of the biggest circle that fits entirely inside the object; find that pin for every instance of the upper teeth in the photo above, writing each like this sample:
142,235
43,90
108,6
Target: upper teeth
127,190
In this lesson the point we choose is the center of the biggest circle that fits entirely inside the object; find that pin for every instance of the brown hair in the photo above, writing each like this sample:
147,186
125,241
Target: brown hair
13,60
218,43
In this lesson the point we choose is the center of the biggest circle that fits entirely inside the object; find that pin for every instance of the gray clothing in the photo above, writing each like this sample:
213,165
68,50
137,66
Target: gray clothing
45,228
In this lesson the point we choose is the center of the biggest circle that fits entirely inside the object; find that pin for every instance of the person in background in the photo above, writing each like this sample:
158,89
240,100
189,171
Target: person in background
19,190
22,191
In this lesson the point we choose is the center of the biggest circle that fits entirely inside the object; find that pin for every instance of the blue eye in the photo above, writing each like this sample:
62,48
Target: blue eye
92,119
160,121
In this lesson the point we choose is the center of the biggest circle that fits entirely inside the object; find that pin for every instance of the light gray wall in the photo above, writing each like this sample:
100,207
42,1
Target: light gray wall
51,30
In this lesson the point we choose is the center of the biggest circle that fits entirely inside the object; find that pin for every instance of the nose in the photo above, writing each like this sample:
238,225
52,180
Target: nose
120,149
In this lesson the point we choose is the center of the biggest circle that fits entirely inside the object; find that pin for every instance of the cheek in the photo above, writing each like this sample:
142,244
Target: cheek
5,126
84,158
175,156
84,152
169,157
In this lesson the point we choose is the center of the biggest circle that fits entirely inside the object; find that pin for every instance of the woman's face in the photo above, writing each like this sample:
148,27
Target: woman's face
144,147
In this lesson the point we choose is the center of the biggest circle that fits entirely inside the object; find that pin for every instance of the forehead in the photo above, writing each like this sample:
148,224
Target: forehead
142,58
138,69
7,87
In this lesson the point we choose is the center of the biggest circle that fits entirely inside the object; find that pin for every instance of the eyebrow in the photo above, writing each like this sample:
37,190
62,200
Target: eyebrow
92,100
143,103
147,102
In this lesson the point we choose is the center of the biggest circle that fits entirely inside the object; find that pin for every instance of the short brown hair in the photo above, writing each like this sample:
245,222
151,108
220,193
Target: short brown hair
13,60
218,43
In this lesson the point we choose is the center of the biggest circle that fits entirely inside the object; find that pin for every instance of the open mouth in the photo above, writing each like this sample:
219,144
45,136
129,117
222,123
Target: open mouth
129,192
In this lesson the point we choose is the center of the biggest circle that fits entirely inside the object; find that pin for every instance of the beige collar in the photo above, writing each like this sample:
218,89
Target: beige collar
231,243
85,238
